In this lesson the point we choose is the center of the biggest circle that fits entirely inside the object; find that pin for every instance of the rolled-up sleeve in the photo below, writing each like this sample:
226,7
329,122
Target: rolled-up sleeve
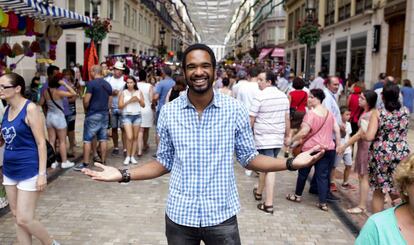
244,143
165,153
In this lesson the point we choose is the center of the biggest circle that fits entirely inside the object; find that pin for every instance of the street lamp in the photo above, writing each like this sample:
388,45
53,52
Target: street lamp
162,35
310,18
95,4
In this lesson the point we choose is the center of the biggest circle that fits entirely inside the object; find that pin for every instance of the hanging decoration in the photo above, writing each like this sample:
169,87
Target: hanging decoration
309,33
98,30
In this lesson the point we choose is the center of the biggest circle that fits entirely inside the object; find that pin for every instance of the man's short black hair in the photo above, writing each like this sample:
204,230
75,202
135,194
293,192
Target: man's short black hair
199,46
270,76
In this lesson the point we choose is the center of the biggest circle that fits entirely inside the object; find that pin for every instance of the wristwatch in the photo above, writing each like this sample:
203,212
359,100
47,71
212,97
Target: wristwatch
289,164
126,176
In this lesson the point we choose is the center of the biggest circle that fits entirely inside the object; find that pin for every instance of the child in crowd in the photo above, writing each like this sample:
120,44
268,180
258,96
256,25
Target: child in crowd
346,131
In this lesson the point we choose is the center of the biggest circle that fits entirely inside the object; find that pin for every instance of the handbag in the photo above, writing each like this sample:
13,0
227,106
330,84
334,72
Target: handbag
50,155
298,149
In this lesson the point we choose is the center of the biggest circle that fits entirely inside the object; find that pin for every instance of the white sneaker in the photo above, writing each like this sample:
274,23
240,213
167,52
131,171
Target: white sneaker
67,164
248,172
54,165
127,160
3,202
133,160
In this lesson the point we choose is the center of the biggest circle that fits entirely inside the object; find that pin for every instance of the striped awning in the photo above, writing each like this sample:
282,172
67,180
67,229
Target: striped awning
36,9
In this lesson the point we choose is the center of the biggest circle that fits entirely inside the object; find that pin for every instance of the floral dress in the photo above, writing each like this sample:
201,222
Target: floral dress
389,147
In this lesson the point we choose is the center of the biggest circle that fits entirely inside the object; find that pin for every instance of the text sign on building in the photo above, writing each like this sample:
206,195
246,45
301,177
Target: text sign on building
376,39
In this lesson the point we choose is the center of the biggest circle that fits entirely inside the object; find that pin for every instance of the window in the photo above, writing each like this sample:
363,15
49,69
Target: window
88,8
290,27
140,24
111,9
72,5
134,19
325,58
330,12
344,9
362,5
127,17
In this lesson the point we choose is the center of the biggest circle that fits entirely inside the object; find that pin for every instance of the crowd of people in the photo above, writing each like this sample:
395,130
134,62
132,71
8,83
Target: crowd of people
274,113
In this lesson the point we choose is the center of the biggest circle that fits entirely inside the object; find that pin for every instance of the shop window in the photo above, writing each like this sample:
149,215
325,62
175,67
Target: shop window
325,58
341,51
358,54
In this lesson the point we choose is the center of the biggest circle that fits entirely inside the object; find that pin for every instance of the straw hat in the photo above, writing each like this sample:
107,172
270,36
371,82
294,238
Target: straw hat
17,49
119,65
54,32
40,27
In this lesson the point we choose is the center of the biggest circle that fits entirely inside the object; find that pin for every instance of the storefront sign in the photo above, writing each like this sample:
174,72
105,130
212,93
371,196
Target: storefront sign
376,39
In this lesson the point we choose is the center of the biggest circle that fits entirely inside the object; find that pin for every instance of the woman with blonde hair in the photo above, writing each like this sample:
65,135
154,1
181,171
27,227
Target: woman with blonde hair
394,225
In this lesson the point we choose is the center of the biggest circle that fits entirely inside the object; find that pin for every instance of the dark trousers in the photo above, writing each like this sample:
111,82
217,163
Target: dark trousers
322,175
226,233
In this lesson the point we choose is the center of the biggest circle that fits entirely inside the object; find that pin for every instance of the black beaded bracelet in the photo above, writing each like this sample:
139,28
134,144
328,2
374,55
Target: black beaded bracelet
289,164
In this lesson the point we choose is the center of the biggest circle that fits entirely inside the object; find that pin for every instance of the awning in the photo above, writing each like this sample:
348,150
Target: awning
36,9
278,52
264,52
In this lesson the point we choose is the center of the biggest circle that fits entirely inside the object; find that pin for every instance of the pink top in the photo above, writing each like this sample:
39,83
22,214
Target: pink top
324,137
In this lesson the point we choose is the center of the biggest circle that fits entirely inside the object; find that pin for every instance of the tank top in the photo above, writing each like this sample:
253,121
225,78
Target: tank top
21,158
133,108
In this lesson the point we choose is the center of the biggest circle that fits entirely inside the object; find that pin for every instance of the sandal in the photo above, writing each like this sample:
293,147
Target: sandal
356,210
257,196
322,206
293,198
264,208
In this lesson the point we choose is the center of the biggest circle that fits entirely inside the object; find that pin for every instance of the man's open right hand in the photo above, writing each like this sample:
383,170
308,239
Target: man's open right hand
109,174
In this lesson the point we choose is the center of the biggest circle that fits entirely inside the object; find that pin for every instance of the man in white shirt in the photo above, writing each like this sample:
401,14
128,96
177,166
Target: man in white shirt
282,83
241,78
118,84
269,117
246,92
319,82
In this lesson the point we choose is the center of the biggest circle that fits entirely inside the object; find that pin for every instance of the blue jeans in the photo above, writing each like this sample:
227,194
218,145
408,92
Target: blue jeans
269,152
322,173
226,233
96,125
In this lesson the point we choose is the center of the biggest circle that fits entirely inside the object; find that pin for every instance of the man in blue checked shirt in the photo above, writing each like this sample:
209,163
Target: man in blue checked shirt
199,133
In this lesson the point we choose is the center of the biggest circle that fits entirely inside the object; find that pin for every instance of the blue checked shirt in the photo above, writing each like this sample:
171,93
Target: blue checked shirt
198,151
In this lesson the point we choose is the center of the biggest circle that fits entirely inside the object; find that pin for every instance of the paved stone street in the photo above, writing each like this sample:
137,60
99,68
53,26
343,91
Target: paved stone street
77,210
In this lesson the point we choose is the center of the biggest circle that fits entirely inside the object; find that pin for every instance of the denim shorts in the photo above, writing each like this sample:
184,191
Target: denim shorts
132,119
269,152
116,118
96,125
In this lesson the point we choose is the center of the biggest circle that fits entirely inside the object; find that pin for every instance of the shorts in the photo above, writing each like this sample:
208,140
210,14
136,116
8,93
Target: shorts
269,152
347,157
132,119
24,185
95,125
70,121
56,120
116,118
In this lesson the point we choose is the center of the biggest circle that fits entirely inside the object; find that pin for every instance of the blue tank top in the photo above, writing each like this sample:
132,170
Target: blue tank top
21,158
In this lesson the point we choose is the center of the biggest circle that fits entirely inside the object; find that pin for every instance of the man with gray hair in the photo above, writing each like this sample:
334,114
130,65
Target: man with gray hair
95,103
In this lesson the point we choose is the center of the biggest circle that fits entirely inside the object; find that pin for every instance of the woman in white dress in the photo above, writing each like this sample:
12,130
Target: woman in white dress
147,114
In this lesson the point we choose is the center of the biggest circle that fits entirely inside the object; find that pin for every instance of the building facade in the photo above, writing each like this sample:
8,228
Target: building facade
360,38
135,29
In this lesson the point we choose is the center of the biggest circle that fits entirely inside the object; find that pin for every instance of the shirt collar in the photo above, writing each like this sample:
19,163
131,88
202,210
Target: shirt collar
217,100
